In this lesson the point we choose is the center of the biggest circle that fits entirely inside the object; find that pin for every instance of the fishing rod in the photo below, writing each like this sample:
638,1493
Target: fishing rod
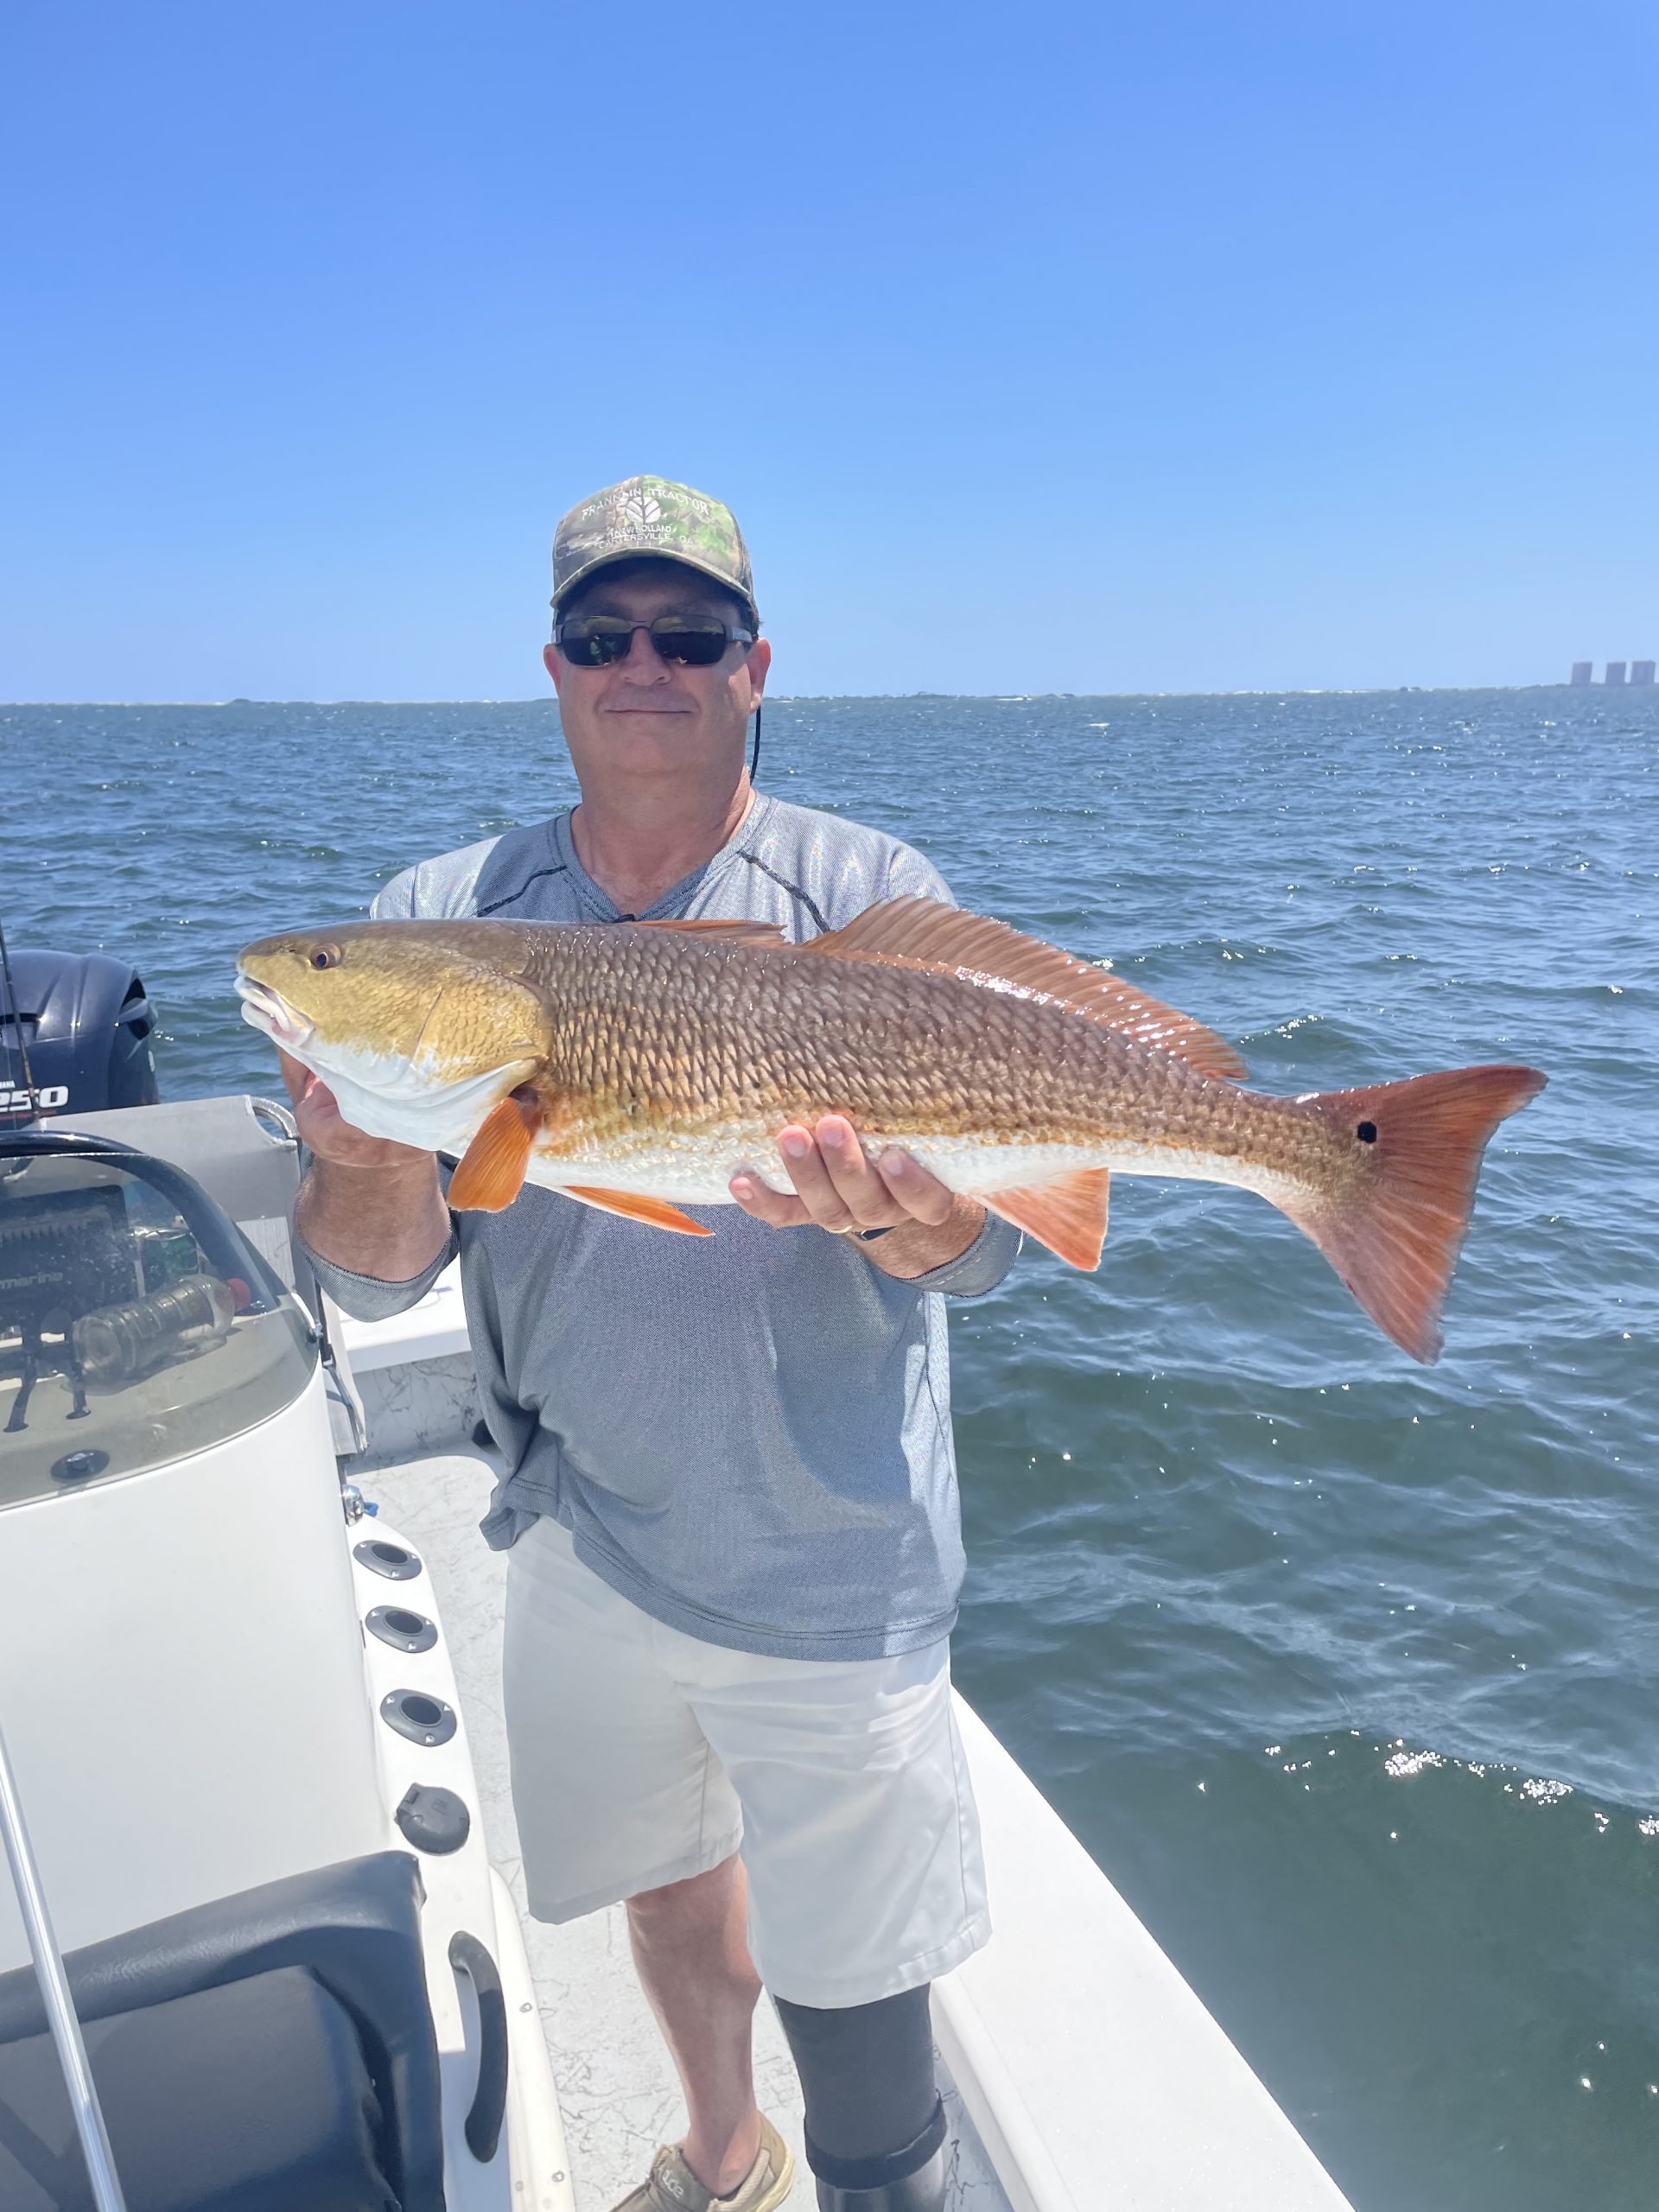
32,1110
54,1989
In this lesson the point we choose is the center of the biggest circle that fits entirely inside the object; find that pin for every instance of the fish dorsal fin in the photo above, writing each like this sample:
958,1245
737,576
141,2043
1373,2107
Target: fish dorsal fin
1068,1215
491,1170
923,933
734,932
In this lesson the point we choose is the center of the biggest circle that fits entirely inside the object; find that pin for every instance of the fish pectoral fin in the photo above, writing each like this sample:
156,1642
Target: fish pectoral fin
734,932
1068,1215
656,1213
914,932
491,1170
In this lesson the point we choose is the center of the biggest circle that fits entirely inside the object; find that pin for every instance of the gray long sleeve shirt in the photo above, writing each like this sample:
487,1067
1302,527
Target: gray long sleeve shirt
748,1435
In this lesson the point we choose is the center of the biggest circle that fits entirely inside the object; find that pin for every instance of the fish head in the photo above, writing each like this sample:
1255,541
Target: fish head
417,1027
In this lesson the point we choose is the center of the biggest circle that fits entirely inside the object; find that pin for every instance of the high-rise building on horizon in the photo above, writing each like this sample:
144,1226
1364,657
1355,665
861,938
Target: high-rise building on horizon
1642,671
1615,672
1581,671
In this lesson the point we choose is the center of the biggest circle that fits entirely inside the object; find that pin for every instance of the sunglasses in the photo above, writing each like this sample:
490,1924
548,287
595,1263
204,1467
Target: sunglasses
691,640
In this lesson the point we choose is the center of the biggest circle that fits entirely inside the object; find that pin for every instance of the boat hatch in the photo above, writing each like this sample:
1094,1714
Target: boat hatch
137,1323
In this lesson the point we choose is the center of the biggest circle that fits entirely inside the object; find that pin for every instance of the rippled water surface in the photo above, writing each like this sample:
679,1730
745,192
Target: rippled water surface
1346,1670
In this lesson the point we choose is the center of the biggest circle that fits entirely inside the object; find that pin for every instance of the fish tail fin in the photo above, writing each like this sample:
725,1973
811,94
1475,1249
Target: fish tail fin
1393,1231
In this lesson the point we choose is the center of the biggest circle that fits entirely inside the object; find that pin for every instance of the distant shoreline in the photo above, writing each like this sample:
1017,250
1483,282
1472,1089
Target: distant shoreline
890,698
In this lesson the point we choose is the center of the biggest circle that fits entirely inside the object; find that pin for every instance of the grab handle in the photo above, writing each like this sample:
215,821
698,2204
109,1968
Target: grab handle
483,2130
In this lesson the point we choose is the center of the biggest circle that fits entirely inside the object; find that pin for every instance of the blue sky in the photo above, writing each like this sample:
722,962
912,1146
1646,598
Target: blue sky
1052,347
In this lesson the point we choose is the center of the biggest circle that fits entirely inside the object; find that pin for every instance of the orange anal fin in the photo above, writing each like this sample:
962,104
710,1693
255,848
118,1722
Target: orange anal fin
1068,1215
491,1170
656,1213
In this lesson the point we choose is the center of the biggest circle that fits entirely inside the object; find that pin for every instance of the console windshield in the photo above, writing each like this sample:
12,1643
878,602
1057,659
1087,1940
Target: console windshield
137,1323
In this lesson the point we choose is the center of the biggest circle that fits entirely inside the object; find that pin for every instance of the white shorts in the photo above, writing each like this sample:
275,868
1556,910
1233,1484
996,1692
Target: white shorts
642,1756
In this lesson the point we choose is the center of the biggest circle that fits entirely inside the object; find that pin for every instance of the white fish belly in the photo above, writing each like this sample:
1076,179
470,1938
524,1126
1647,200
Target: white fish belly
691,1170
696,1170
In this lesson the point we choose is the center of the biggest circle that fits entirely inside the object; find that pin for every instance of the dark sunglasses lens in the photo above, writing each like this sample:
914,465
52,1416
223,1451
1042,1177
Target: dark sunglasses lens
603,638
595,644
693,643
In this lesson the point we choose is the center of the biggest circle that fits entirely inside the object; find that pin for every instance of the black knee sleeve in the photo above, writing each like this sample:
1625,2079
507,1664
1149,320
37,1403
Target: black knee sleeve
872,2111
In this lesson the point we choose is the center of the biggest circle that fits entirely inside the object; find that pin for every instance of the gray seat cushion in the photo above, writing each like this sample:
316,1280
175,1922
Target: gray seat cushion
254,2096
355,1928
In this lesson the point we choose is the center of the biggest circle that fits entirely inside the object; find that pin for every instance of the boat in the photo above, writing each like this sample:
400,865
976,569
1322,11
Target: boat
268,1949
240,1781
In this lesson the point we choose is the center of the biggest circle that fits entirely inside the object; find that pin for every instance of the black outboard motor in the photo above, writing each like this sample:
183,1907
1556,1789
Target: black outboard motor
77,1041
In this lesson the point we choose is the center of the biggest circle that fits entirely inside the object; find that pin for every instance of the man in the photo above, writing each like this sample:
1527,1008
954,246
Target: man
729,1494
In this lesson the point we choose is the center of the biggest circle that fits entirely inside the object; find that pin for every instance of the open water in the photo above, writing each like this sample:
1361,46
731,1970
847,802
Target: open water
1345,1670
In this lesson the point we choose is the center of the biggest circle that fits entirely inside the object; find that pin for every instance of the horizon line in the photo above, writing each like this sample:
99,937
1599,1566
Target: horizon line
798,699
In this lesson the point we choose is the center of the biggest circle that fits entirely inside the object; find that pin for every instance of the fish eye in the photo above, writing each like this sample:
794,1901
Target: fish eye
326,956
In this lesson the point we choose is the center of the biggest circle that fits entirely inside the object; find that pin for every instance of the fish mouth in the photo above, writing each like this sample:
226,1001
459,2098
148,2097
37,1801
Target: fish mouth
269,1012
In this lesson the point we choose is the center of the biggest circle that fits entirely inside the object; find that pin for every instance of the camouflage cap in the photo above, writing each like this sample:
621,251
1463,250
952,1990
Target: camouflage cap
649,518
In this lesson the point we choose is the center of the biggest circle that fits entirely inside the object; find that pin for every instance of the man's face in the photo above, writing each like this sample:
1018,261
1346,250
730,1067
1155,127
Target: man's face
645,716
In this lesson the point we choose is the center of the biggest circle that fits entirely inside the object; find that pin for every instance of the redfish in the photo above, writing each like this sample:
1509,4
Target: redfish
637,1066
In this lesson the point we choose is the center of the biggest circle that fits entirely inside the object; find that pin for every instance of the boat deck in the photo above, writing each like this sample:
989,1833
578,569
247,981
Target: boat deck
616,2085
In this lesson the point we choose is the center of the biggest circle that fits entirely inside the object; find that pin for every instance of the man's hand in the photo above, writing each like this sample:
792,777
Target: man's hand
837,1187
325,1133
367,1204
